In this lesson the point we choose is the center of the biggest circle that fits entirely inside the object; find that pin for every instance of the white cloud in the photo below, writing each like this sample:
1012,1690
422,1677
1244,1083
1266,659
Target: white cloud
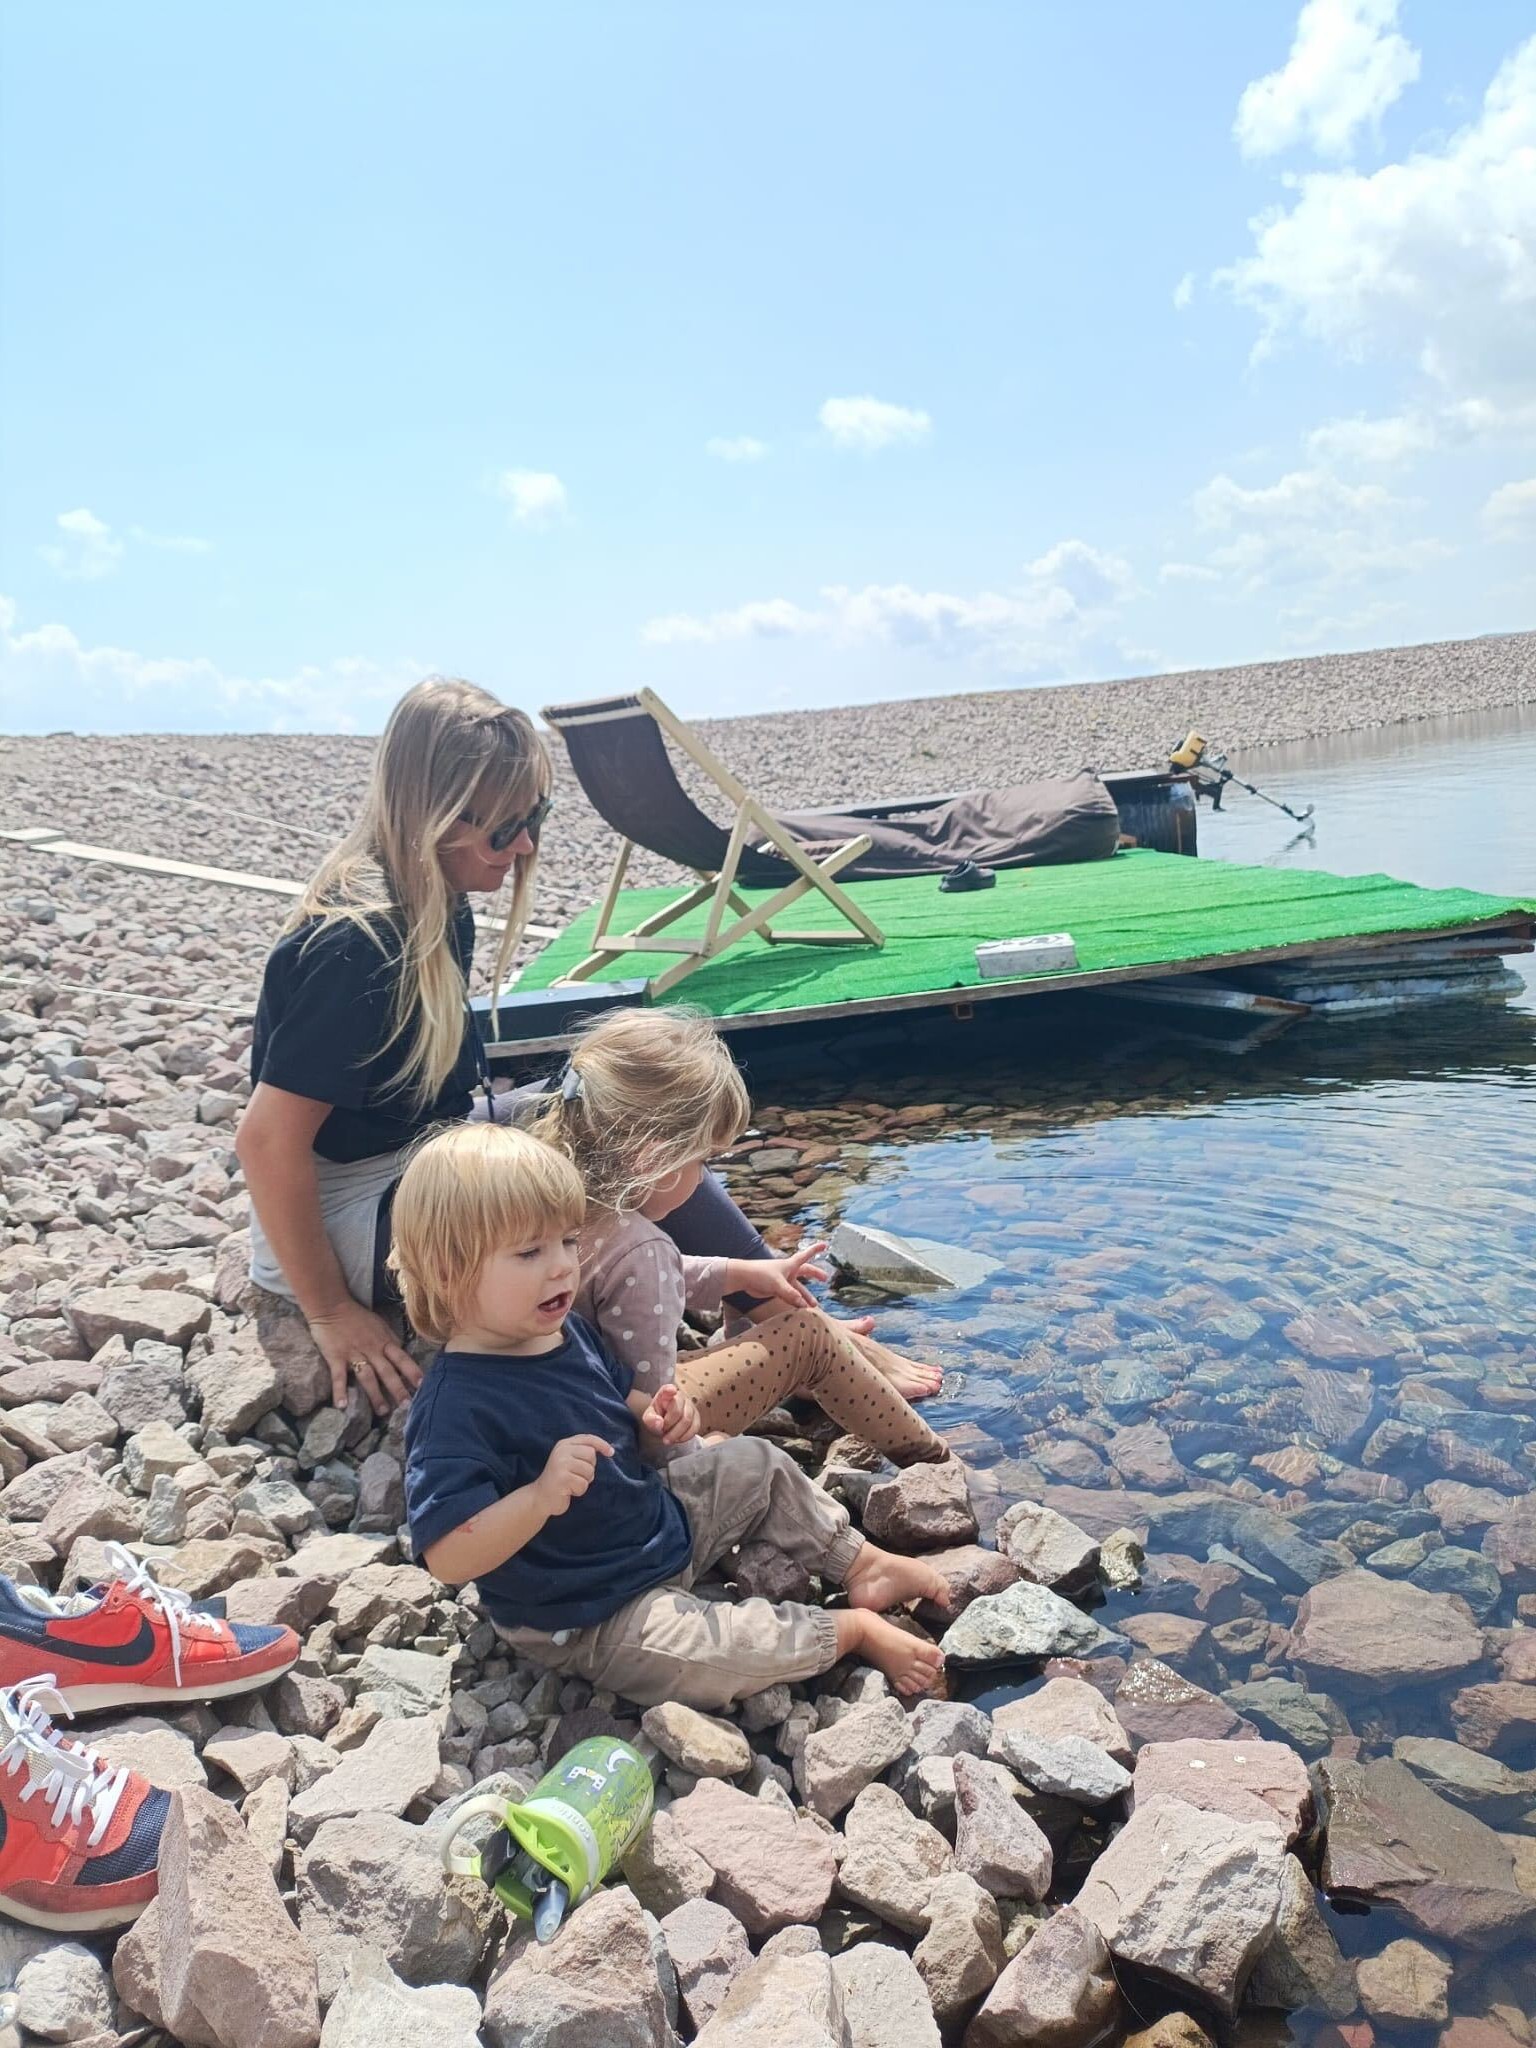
1187,572
1432,258
1372,444
1510,513
1347,65
537,496
1062,598
1309,536
54,680
172,543
88,550
869,424
1184,291
736,448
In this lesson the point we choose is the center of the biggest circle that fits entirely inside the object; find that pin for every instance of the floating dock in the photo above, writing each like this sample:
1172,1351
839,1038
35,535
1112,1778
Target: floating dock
1140,917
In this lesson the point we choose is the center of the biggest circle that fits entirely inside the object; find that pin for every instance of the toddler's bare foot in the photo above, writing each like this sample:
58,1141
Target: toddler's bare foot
879,1579
911,1663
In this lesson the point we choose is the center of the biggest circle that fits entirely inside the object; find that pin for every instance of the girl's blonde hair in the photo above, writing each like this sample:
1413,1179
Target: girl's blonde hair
646,1093
449,751
472,1190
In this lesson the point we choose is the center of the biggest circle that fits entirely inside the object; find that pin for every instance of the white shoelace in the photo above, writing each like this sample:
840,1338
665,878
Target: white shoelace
75,1781
176,1606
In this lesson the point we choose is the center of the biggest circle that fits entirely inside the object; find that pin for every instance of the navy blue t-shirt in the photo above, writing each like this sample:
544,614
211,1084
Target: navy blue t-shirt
323,1029
481,1426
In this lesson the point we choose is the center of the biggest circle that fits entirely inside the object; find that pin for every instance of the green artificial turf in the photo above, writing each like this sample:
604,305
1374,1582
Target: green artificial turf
1136,910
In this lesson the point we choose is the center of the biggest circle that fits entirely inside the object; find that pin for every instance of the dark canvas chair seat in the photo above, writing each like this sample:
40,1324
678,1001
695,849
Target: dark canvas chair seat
617,748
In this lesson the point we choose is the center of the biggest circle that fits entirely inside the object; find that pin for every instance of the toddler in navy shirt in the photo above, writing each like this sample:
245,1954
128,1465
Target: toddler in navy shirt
532,1463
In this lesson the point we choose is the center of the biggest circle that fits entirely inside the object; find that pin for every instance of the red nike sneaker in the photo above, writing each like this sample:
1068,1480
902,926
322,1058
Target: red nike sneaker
79,1840
132,1642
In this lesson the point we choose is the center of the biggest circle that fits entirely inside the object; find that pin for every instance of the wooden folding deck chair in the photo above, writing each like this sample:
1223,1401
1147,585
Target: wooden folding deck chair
617,747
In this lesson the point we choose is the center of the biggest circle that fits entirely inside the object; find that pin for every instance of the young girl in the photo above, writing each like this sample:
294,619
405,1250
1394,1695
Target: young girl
648,1098
531,1456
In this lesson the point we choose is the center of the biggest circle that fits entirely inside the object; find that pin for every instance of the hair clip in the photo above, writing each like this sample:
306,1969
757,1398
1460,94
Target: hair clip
570,1085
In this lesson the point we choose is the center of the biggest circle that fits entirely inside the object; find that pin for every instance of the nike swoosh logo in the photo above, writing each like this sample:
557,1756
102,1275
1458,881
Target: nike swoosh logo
134,1651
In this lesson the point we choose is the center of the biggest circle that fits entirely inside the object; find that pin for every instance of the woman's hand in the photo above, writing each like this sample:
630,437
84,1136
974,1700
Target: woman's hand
777,1279
672,1416
354,1340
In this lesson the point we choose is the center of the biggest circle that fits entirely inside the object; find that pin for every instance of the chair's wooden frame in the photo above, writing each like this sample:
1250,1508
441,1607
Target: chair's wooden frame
752,827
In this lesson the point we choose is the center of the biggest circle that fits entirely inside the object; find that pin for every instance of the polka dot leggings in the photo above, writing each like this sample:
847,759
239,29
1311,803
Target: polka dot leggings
806,1353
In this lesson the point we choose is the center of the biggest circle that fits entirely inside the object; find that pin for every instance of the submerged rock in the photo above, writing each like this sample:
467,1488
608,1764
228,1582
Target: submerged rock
1363,1630
1302,1969
1392,1841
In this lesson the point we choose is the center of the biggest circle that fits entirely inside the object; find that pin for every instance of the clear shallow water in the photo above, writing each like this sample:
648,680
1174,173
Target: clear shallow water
1157,1206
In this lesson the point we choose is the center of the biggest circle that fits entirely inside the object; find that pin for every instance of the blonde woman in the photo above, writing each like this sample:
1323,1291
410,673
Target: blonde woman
648,1098
363,1036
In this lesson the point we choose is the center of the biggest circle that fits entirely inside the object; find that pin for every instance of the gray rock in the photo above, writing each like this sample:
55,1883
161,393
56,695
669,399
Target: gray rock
780,2002
698,1743
397,1765
662,1871
1257,1535
1026,1621
374,2007
1192,1896
709,1951
996,1842
885,2002
594,1986
836,1763
1302,1969
1047,1548
236,1387
133,1313
1058,1992
947,1728
399,1684
1492,1790
150,1387
1406,1982
1280,1708
906,1265
372,1880
65,1994
960,1956
891,1860
1066,1767
1066,1707
1468,1573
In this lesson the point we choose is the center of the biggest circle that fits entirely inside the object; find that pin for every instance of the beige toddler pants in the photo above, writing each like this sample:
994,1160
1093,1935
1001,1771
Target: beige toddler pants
671,1644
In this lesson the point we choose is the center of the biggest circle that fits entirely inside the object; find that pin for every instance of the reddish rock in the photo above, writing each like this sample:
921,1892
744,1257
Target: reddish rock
926,1507
1517,1656
1176,1638
1154,1704
1251,1781
1495,1718
1058,1992
1366,1631
1510,1545
1066,1706
971,1572
1143,1455
772,1869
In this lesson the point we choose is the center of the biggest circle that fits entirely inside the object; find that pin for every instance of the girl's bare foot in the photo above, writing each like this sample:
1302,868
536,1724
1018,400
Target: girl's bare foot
916,1382
879,1579
911,1663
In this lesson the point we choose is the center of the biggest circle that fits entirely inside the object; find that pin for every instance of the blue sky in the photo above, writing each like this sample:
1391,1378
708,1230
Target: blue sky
769,354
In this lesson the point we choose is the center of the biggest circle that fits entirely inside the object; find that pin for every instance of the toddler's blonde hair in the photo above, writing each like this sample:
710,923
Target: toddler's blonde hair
647,1092
470,1191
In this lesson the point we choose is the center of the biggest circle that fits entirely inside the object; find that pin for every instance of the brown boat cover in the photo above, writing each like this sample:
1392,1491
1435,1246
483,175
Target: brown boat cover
1036,824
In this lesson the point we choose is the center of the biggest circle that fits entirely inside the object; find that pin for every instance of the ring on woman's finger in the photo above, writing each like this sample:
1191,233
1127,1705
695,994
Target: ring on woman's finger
361,1364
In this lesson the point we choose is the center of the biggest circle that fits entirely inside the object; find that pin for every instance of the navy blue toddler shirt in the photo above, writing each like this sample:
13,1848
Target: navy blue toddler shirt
481,1426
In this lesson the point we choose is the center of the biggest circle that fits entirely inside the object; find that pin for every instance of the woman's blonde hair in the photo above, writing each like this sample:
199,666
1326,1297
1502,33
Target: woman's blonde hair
449,751
472,1190
646,1093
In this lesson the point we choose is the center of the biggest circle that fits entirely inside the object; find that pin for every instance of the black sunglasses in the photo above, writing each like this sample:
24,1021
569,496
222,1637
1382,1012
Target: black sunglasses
508,835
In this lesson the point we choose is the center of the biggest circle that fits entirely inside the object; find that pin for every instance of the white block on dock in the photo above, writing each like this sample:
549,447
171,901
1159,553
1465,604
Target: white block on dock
905,1263
1007,959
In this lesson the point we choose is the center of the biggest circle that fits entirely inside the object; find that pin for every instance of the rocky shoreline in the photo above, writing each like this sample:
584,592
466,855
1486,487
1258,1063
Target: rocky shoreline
1337,1513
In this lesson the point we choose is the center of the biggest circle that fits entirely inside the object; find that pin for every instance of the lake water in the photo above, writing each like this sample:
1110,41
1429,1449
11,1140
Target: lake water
1183,1234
